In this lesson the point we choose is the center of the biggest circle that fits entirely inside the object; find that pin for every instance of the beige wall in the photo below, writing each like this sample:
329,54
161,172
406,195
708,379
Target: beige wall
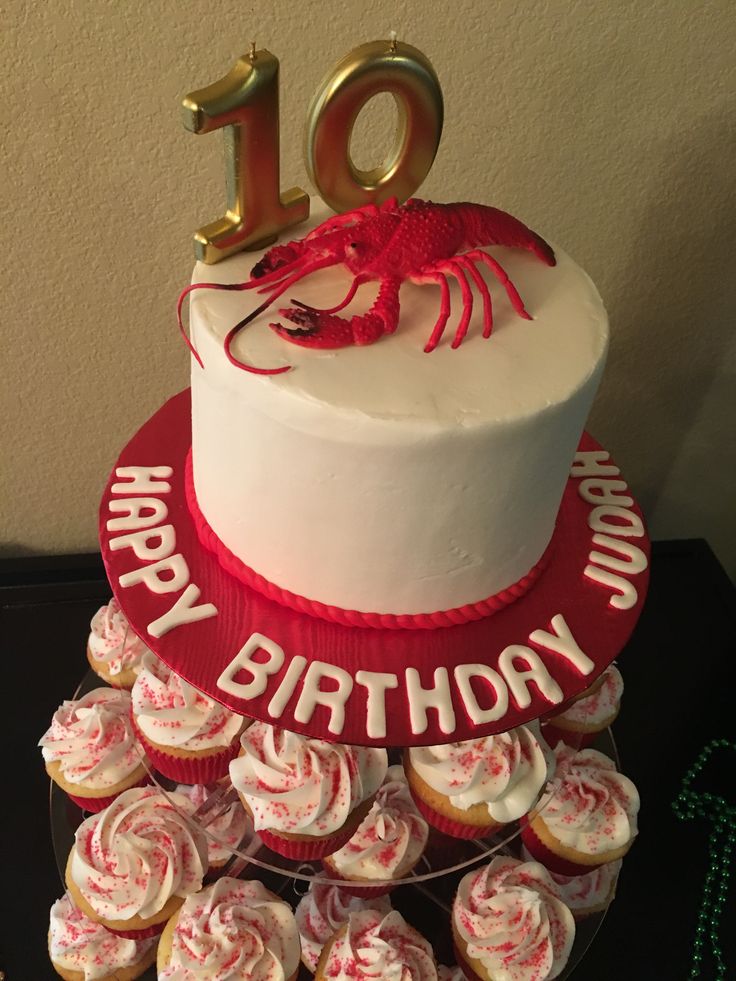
608,126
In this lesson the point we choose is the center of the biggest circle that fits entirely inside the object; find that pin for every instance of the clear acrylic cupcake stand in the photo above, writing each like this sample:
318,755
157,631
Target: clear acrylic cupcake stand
424,898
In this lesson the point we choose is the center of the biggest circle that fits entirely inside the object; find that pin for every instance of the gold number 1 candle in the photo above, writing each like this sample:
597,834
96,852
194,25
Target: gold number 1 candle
379,66
246,104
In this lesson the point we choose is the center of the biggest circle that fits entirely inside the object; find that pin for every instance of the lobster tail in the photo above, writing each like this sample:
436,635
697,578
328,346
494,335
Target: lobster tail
483,225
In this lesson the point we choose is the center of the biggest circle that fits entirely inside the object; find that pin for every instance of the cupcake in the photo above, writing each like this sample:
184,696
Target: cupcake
307,797
90,749
225,830
134,864
235,929
589,817
188,737
373,945
388,843
113,650
471,789
321,913
82,950
589,893
581,722
509,922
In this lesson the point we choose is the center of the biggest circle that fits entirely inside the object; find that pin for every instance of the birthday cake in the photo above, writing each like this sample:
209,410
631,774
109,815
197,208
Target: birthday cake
384,478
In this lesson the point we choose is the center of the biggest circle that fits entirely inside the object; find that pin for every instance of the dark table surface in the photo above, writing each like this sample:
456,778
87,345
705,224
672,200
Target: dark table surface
680,673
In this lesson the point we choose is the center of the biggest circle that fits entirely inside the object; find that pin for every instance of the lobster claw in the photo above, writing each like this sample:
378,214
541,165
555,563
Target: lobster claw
319,330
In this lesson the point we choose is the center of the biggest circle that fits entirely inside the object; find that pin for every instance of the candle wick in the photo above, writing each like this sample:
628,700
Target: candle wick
252,52
393,38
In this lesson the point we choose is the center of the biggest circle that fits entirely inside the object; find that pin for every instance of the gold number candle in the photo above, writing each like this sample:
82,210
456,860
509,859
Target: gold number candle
379,66
246,104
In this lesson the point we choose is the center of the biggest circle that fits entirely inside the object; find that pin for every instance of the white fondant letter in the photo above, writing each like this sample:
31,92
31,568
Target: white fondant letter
243,661
605,492
628,594
518,681
133,508
142,480
438,697
562,642
312,695
592,463
138,541
478,715
151,575
376,683
633,526
183,611
633,561
286,689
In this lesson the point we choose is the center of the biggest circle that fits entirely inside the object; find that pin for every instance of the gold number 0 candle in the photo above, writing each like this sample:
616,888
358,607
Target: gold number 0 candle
379,66
246,104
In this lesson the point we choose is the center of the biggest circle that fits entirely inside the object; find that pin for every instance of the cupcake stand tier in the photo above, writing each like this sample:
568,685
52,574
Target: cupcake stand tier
424,898
366,685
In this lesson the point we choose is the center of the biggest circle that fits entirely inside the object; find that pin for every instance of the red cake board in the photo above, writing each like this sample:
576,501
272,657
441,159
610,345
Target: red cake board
362,685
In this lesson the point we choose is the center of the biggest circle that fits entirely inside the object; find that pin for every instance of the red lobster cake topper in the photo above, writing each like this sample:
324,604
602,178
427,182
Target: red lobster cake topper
419,241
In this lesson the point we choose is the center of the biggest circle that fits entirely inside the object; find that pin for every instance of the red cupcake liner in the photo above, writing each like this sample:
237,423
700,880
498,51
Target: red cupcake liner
144,934
578,740
189,770
305,850
450,827
96,804
551,861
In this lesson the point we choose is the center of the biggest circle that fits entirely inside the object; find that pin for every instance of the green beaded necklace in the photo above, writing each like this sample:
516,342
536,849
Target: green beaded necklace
688,805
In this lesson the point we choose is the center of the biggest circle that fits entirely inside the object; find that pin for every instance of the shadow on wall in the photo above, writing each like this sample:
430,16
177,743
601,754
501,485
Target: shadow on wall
668,403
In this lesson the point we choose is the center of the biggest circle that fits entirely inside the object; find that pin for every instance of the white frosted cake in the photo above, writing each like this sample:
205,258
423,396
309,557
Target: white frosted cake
382,478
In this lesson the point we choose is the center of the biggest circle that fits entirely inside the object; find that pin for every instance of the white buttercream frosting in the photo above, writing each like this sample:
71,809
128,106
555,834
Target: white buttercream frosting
92,740
303,786
364,428
131,858
224,832
380,946
512,918
589,891
113,642
77,943
592,807
234,930
390,839
506,772
171,712
599,707
321,913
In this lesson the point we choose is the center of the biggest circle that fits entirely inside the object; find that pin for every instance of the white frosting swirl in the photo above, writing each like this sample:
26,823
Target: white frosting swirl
77,943
300,785
131,858
506,772
591,806
588,891
92,739
382,947
113,642
322,912
511,917
224,832
170,712
234,930
602,705
391,837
